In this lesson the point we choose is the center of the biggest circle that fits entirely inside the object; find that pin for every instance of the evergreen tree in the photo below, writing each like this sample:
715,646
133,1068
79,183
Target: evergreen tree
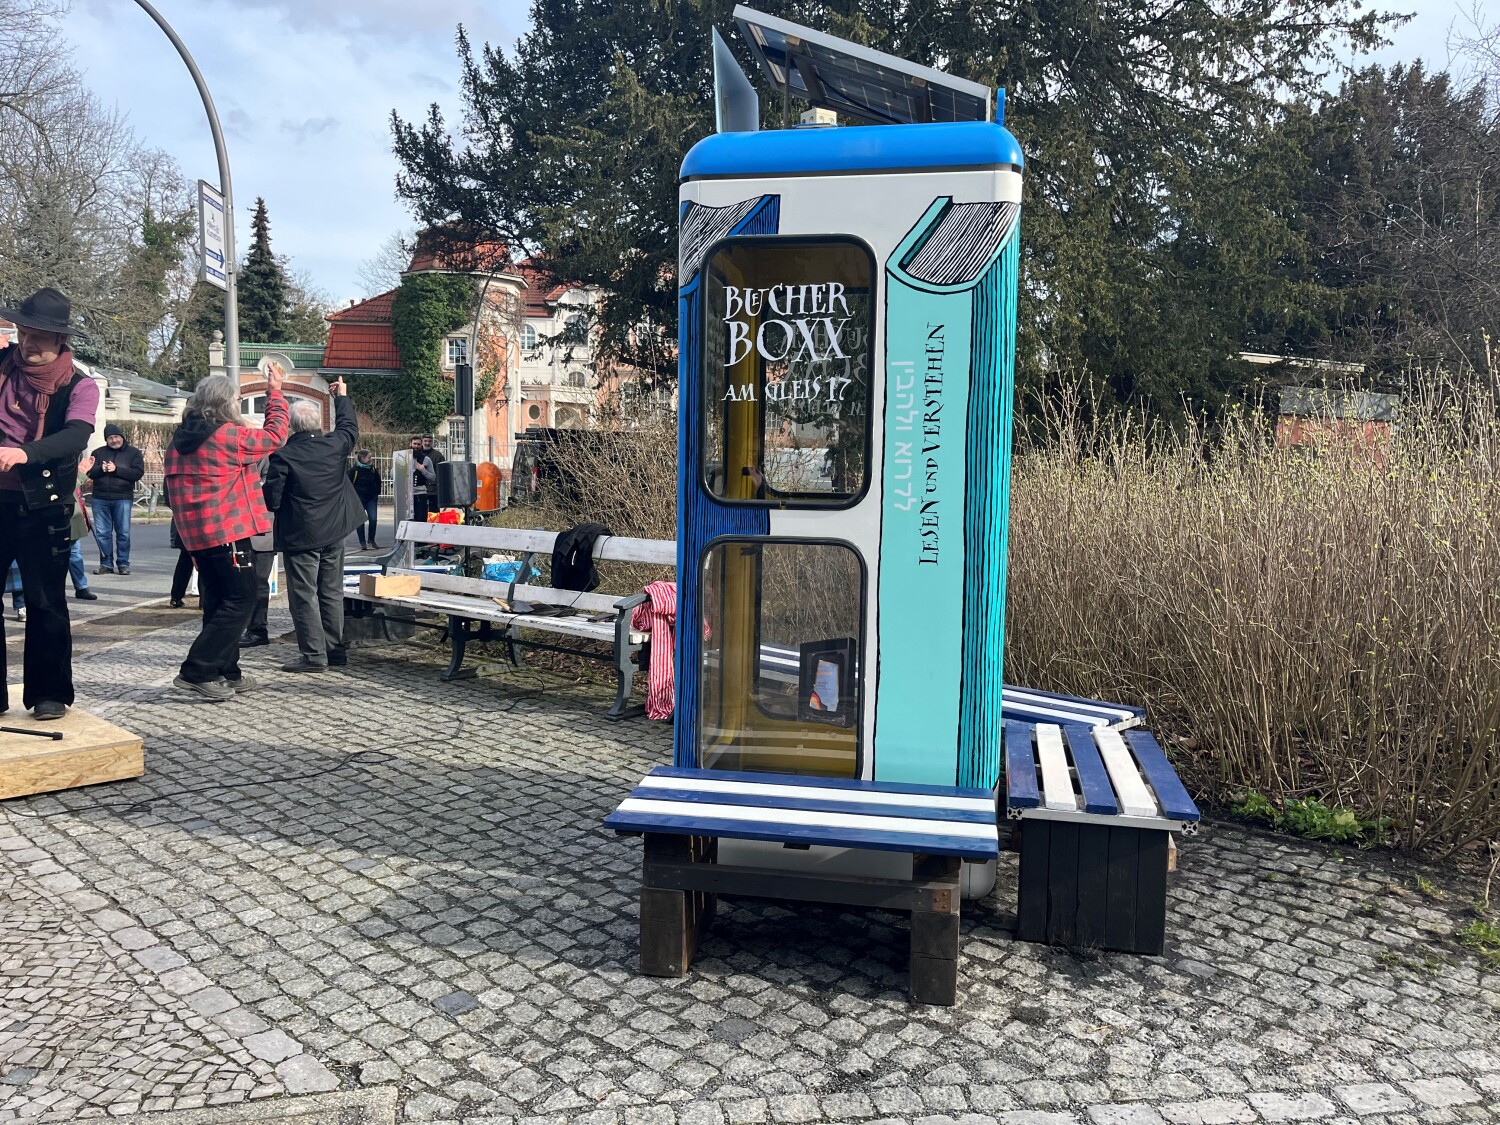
1148,241
262,286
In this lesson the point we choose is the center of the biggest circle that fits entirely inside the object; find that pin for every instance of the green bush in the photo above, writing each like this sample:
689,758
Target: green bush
1310,817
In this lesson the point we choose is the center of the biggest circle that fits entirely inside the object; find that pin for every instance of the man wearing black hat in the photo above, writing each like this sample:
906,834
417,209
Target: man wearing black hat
47,412
117,466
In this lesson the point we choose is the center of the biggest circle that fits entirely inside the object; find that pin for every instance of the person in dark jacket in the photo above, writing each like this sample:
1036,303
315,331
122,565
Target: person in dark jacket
47,412
316,509
366,479
117,466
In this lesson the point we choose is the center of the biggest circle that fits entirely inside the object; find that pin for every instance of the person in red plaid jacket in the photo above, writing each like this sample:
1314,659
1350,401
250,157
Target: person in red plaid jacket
213,488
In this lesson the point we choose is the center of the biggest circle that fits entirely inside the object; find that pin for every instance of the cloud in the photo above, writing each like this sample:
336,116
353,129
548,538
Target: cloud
397,20
311,127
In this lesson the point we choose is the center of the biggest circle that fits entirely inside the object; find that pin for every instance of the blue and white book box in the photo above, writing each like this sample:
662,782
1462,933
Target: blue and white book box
848,319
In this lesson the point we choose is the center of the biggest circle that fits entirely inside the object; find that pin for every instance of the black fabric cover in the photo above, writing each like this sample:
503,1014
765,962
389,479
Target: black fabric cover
573,557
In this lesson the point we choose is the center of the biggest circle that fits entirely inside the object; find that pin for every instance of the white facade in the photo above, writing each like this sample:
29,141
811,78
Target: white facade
557,374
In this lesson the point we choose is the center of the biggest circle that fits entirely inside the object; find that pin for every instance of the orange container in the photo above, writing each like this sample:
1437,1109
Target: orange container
488,498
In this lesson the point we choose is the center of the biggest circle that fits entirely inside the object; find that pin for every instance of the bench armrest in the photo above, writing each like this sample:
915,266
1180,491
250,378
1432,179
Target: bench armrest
631,602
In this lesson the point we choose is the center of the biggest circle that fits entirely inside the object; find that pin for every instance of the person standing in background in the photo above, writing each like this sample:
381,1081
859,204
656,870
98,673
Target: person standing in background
77,530
316,509
117,466
263,559
434,454
366,479
423,477
213,489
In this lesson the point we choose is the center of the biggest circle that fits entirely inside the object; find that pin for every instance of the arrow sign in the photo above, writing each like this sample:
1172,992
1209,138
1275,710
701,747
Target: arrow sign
211,235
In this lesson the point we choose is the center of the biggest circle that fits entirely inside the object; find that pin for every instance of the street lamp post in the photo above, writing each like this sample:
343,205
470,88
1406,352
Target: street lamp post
231,311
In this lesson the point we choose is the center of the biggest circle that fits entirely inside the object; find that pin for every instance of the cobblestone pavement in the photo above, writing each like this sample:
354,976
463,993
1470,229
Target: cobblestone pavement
446,917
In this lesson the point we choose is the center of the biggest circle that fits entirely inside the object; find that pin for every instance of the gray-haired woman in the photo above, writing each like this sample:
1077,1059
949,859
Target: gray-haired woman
213,488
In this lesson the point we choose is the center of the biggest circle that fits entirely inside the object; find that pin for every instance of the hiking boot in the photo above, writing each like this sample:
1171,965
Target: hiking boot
215,690
243,685
105,570
122,570
49,709
303,664
338,657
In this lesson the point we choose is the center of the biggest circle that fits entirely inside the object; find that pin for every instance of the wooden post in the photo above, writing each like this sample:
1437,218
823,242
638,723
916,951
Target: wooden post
673,922
934,932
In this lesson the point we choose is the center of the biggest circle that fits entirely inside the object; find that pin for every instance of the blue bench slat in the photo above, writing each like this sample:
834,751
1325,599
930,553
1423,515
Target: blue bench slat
1093,778
914,788
862,808
964,847
1020,767
1174,799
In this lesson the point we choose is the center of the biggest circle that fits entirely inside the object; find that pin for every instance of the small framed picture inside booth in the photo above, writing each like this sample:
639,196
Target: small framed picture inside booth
826,682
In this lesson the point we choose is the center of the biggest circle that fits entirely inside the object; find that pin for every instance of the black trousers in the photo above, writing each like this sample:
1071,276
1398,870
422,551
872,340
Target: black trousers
226,591
182,575
39,543
262,561
419,509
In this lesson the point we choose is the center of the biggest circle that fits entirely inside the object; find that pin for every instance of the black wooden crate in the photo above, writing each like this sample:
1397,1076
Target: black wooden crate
1093,886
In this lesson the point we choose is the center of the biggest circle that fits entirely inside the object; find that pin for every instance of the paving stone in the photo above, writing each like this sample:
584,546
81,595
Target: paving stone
1373,1097
303,1074
273,1046
1289,1107
1441,1092
1208,1111
1124,1115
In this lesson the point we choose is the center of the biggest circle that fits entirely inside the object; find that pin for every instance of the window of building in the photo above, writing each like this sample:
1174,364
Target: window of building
254,404
458,350
576,379
783,628
575,329
786,371
528,338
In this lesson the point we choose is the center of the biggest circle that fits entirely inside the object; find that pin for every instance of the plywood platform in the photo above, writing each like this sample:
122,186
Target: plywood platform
90,751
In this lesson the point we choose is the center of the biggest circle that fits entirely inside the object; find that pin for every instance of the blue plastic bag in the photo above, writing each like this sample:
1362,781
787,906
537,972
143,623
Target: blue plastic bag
508,572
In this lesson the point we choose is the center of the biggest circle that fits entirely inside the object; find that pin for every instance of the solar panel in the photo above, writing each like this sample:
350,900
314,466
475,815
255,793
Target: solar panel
856,81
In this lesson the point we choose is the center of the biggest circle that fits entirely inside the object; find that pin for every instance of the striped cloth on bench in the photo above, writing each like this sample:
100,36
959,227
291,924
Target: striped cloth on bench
1078,773
782,663
782,808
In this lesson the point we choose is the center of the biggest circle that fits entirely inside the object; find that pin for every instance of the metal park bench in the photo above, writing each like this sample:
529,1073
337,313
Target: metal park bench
470,602
684,814
1095,810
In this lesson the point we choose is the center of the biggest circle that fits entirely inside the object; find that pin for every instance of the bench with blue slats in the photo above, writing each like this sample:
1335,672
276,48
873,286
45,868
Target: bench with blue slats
783,664
683,813
1097,808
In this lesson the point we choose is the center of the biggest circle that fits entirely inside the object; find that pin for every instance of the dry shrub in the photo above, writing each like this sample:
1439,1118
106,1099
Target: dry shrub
623,476
1302,624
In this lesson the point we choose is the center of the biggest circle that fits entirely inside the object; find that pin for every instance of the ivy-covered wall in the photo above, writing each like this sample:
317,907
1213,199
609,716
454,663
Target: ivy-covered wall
428,306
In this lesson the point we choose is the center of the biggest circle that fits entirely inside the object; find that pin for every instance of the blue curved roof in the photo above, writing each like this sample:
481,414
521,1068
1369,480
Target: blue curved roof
858,148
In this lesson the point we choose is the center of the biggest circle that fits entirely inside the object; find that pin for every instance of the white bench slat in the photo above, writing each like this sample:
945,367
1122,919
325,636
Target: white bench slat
490,588
1057,782
607,548
460,606
832,797
1125,775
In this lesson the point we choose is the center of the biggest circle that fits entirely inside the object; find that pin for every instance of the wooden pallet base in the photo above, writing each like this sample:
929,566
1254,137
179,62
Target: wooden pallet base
90,751
681,881
1092,886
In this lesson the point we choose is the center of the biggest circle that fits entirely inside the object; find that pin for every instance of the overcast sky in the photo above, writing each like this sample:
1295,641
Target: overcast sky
305,89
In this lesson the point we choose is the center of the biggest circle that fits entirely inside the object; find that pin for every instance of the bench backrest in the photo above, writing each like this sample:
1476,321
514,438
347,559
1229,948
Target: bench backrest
607,548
